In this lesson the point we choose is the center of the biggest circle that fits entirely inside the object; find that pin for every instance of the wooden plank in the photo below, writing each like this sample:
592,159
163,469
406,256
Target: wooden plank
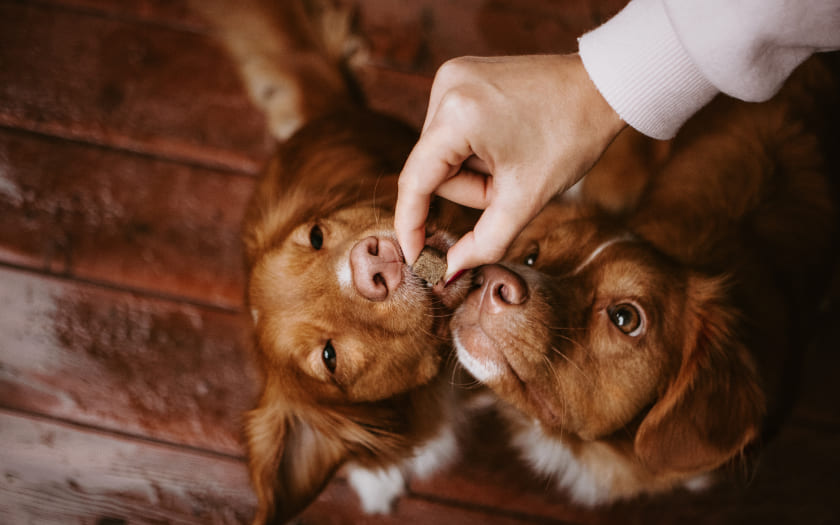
58,473
338,505
135,86
125,219
53,473
141,366
173,13
403,95
418,36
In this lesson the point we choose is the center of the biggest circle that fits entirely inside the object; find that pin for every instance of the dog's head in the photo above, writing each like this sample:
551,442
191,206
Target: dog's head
335,302
597,335
352,344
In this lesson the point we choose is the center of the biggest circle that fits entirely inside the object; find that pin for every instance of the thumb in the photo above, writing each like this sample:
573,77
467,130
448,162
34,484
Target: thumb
488,242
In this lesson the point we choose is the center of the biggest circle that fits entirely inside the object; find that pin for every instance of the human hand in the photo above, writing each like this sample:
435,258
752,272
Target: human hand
527,127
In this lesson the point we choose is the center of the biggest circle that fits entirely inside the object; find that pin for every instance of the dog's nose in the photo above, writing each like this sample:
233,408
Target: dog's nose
501,288
376,266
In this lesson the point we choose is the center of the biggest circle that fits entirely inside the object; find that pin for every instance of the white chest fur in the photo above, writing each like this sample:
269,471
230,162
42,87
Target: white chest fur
378,488
595,473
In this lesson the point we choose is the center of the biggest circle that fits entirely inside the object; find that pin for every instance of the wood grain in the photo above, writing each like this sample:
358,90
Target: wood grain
120,218
54,473
172,13
418,36
142,366
134,86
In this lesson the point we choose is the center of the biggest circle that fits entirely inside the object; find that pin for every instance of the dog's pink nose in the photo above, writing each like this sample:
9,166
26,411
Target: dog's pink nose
376,266
501,288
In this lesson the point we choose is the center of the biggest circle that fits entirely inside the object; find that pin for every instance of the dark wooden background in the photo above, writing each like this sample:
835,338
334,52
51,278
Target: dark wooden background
128,150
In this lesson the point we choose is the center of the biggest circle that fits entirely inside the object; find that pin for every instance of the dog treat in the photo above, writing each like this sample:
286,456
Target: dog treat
430,265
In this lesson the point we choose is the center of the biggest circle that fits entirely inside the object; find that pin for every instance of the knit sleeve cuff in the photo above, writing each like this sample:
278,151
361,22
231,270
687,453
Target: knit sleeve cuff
642,70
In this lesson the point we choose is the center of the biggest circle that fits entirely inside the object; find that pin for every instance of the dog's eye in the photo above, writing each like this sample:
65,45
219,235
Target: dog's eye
316,237
329,357
531,259
533,252
626,317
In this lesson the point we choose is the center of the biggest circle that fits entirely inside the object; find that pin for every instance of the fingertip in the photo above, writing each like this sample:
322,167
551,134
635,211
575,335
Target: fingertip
468,253
411,246
455,260
449,279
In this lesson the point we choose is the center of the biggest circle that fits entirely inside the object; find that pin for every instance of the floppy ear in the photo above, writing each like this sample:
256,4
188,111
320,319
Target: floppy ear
714,406
291,460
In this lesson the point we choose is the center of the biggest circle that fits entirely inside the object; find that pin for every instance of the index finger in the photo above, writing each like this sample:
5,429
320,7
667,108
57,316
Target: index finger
435,158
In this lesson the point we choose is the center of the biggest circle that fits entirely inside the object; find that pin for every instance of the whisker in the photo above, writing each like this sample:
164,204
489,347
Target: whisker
376,209
571,340
550,365
566,328
575,365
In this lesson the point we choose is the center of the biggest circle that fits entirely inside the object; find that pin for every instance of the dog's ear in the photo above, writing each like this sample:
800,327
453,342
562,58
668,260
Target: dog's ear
291,460
714,406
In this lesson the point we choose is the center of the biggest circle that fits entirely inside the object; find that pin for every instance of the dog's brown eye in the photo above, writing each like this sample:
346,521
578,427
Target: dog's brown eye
531,259
626,317
316,237
532,253
329,357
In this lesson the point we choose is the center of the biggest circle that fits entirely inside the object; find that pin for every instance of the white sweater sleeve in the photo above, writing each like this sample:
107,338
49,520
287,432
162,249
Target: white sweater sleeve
657,62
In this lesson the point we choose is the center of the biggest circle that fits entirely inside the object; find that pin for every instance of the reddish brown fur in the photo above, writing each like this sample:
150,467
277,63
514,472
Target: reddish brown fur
725,252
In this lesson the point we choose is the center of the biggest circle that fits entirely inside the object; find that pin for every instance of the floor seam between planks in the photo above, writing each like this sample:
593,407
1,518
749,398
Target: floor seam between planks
120,16
112,286
106,431
56,133
486,509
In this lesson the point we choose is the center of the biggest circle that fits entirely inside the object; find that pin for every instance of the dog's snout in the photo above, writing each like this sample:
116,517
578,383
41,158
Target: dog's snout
501,288
376,267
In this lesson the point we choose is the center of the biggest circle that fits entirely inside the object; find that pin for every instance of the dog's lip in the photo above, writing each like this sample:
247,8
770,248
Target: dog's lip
472,302
452,295
497,354
530,393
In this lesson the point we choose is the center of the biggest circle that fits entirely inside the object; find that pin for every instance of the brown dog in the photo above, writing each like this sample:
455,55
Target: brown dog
643,351
352,344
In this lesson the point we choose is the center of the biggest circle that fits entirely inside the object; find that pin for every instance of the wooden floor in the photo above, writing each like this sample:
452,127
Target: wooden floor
127,153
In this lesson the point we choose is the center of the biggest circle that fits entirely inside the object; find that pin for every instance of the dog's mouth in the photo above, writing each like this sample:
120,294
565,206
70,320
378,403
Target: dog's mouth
453,292
483,345
490,314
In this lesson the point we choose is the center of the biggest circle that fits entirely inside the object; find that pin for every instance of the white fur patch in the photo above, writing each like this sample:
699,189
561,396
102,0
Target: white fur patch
435,454
699,483
597,251
550,456
482,369
344,274
377,488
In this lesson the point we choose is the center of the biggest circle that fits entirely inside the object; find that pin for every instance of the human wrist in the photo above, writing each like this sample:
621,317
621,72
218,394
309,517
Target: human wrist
604,121
642,70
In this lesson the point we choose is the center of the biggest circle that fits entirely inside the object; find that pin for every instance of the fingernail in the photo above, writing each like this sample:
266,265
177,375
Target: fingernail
459,273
